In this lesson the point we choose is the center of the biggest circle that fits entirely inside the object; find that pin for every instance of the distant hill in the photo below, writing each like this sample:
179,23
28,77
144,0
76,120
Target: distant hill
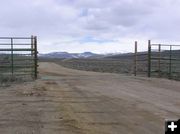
113,56
143,55
66,55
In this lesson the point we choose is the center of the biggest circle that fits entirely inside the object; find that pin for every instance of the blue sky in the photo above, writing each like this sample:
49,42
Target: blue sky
101,26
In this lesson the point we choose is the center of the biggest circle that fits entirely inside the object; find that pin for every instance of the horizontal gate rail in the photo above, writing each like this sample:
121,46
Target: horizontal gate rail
17,50
17,66
18,38
6,44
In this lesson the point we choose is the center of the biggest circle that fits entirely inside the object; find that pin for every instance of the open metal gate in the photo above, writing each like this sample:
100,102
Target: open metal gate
18,57
164,60
161,60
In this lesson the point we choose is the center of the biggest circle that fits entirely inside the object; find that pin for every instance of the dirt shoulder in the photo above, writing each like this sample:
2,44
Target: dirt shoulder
67,101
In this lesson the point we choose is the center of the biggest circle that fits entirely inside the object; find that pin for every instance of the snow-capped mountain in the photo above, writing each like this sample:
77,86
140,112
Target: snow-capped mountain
66,55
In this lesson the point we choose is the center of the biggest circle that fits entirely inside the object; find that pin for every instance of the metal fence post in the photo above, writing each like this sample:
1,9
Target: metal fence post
135,59
32,55
35,57
149,58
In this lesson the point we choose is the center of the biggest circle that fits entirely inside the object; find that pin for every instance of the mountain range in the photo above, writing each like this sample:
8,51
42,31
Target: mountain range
66,55
86,55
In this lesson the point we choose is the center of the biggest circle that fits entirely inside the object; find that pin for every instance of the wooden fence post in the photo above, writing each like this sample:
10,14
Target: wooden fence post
12,58
170,62
159,60
135,59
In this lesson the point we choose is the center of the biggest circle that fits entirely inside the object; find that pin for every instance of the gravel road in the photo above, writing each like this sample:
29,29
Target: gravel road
67,101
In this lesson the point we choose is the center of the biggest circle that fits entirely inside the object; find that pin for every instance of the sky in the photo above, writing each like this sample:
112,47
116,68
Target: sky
100,26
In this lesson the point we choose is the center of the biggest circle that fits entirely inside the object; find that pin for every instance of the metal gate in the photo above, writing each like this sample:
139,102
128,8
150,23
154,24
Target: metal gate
18,57
161,60
164,60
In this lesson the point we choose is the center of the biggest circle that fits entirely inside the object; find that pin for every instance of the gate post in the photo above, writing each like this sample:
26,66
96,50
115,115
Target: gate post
135,59
32,56
159,60
149,58
170,62
12,58
35,57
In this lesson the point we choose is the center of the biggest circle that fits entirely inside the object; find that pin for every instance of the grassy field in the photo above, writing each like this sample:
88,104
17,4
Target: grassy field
97,65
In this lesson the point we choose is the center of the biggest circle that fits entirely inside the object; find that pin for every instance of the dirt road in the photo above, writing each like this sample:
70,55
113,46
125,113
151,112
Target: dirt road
66,101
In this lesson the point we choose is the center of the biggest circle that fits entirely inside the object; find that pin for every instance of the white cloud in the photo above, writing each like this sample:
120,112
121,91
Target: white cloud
62,24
